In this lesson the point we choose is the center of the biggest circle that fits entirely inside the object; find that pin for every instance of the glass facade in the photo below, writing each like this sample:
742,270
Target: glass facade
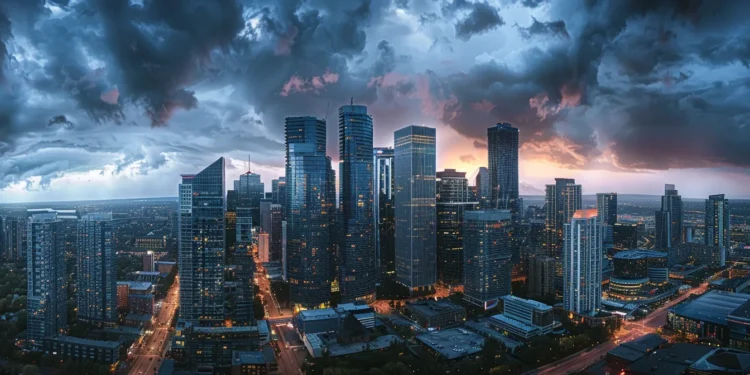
97,270
452,201
358,268
487,256
309,212
383,210
415,169
482,183
502,151
669,219
201,245
250,192
561,201
717,221
47,288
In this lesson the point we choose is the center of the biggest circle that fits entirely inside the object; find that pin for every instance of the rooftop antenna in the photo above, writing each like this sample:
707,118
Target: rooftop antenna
249,163
328,106
352,100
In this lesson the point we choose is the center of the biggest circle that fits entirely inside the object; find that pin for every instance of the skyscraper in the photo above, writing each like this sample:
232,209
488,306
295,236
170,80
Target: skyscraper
606,206
487,253
669,219
561,201
541,276
415,168
308,212
717,222
274,252
265,215
278,193
502,151
356,223
201,245
452,202
383,210
97,270
250,191
482,183
582,263
47,288
625,236
14,235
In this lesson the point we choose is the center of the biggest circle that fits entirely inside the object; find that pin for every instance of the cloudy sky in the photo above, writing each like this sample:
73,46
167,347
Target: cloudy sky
115,98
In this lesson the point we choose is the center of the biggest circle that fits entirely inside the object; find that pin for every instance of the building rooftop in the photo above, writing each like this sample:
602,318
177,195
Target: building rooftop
136,285
354,307
219,330
722,360
431,307
630,355
453,343
515,323
713,306
645,344
538,305
639,254
673,360
146,273
318,314
248,358
87,342
165,262
138,317
730,283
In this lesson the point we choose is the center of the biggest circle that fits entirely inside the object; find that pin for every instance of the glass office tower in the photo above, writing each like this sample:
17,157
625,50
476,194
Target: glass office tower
669,219
97,270
383,210
416,217
358,267
309,211
502,152
582,263
250,191
201,245
487,256
717,224
452,202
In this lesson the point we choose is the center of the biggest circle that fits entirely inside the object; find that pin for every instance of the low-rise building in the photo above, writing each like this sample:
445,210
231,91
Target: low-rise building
629,352
736,285
261,362
672,360
73,348
523,319
317,320
318,344
363,312
164,267
214,346
707,315
721,361
451,344
436,314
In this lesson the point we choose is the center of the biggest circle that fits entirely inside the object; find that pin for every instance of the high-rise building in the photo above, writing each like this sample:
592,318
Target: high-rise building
541,276
278,193
230,224
561,201
717,222
47,288
452,201
669,219
149,262
606,206
487,256
263,247
625,236
356,225
415,168
383,211
502,152
201,245
97,270
308,213
582,263
482,183
14,238
265,215
250,191
274,251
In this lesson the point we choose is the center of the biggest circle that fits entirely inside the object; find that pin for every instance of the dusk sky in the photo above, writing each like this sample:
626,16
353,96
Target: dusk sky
116,98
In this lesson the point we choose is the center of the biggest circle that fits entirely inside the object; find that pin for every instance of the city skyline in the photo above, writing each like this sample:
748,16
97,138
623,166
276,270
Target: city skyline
119,122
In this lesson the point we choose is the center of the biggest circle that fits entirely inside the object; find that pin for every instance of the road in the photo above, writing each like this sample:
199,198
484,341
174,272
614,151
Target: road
628,332
274,312
147,357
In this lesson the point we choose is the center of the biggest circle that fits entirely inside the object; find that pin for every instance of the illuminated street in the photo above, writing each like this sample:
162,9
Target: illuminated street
148,356
628,332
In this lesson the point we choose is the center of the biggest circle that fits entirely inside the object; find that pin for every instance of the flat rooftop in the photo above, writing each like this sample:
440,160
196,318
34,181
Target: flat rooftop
87,342
639,254
318,314
713,306
137,285
500,318
673,360
538,305
453,343
645,344
432,307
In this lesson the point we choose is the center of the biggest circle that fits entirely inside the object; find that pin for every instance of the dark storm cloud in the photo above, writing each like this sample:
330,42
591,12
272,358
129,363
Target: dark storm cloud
544,29
557,89
482,18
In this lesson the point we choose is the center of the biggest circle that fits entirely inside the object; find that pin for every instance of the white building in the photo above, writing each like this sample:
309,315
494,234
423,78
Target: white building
582,263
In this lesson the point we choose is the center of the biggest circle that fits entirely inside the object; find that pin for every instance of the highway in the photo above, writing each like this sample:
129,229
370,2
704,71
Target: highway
148,356
629,331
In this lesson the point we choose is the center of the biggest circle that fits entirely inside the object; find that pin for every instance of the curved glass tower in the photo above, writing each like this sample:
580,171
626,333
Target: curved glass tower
358,268
309,213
